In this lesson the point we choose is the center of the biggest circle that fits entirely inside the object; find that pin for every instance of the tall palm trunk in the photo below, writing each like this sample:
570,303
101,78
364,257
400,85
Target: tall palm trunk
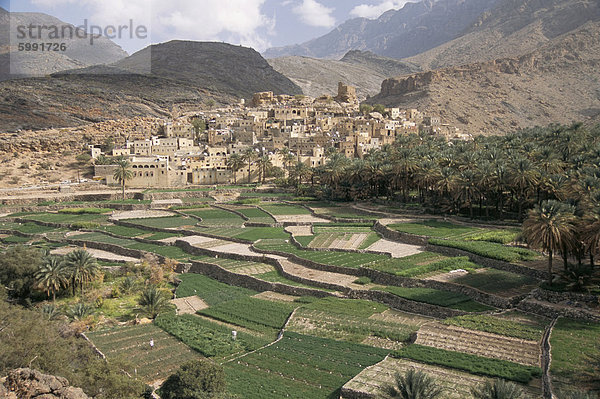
550,267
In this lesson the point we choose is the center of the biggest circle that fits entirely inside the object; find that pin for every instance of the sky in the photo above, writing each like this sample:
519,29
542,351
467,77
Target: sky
255,23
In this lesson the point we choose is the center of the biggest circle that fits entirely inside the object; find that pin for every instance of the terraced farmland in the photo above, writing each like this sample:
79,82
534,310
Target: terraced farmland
479,343
132,343
456,384
215,217
300,367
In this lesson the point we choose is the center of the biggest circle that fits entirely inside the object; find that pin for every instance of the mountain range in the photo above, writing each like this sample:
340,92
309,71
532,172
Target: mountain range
80,51
483,65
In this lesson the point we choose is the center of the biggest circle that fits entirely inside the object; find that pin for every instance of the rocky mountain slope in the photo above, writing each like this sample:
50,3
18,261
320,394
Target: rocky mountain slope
558,83
415,28
362,69
181,73
512,27
217,67
80,51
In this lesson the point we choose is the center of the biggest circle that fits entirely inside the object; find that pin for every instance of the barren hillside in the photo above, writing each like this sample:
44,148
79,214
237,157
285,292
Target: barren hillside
559,83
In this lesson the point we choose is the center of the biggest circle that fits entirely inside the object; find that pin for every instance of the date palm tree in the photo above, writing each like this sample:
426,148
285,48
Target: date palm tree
498,389
264,163
288,158
52,276
235,163
550,227
249,155
152,301
82,268
413,385
123,173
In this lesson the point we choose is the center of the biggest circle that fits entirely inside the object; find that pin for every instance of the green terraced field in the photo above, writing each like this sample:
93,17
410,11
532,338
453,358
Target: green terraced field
211,291
497,282
438,229
265,317
437,297
285,209
215,217
164,222
209,338
132,343
299,367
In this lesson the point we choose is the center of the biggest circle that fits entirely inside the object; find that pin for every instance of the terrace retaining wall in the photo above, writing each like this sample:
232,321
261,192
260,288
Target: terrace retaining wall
488,262
405,305
552,312
394,235
481,260
383,278
557,297
329,217
253,283
349,250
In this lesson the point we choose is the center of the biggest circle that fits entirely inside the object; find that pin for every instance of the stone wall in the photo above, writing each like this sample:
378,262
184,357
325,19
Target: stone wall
240,280
393,235
557,297
551,312
354,251
405,305
487,262
383,278
480,260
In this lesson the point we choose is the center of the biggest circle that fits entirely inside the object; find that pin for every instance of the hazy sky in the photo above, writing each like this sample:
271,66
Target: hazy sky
256,23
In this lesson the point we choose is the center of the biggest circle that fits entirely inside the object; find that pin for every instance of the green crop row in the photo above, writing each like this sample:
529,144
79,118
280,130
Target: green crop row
208,338
211,291
505,236
496,325
495,281
435,228
252,313
300,366
438,297
488,249
470,363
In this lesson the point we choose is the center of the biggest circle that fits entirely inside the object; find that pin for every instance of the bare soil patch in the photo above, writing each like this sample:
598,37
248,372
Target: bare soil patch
396,249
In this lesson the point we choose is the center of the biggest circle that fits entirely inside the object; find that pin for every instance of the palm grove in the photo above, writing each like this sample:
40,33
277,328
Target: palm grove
547,177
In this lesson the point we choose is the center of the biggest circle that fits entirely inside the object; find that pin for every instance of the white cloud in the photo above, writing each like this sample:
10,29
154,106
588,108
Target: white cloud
375,11
314,13
234,21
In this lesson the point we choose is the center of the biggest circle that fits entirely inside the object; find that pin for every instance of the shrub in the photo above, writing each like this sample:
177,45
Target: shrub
82,211
198,379
364,280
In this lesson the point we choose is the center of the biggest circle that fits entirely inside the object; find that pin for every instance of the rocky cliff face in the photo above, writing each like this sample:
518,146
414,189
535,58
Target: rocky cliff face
511,28
415,28
361,69
26,383
557,83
